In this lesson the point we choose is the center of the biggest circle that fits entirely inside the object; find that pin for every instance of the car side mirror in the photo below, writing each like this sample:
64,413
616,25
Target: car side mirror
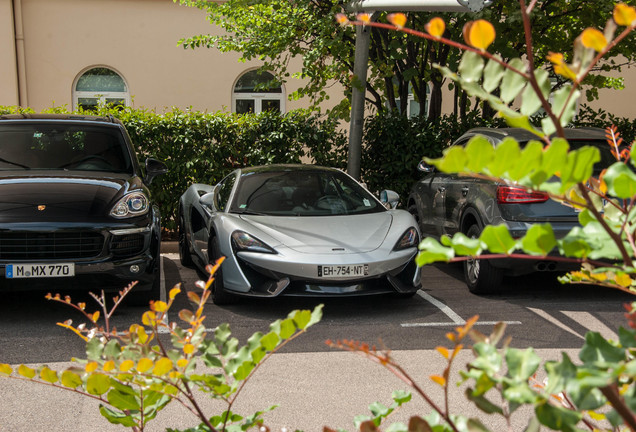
389,198
208,200
154,168
425,168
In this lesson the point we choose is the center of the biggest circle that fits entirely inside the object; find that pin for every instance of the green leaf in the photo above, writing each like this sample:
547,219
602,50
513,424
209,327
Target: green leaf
530,101
479,153
123,400
597,350
554,156
498,239
522,364
270,341
464,245
621,181
97,384
523,122
564,103
493,73
530,160
116,417
575,244
432,251
505,152
287,328
482,402
512,82
454,160
559,374
539,240
48,375
579,166
556,417
471,66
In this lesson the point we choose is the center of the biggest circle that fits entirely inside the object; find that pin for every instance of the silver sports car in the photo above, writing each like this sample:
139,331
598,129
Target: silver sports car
297,230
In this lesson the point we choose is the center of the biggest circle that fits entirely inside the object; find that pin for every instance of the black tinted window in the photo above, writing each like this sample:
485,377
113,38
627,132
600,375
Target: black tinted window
62,146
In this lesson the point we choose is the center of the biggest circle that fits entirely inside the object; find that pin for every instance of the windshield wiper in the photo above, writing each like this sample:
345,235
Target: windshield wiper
14,164
250,212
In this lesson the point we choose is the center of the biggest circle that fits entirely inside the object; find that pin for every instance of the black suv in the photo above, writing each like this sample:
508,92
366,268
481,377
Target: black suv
75,207
449,203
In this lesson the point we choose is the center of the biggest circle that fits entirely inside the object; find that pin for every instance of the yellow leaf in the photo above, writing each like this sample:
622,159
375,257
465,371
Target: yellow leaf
479,34
5,369
48,375
593,38
149,318
624,280
438,379
596,416
159,306
436,27
26,371
397,19
624,15
342,19
91,367
163,366
443,351
126,365
173,292
599,276
95,316
182,363
364,17
109,366
144,365
188,348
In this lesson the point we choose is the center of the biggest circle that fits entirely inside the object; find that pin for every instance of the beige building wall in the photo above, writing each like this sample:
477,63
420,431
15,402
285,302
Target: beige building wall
8,66
136,38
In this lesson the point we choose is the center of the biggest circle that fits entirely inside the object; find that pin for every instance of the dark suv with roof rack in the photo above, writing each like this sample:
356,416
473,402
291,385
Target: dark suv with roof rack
444,204
75,209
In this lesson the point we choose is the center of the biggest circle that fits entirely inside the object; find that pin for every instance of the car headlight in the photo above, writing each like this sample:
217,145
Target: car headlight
131,205
244,242
410,238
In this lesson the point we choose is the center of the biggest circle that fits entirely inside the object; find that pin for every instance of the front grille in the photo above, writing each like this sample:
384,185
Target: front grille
29,245
127,245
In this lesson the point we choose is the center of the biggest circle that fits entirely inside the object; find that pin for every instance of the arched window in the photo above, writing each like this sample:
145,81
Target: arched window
100,86
257,91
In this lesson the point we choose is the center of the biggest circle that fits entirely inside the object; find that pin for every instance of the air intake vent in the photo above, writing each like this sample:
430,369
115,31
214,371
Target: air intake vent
127,245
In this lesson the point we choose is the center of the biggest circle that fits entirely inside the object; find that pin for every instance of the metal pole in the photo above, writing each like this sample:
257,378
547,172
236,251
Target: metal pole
363,38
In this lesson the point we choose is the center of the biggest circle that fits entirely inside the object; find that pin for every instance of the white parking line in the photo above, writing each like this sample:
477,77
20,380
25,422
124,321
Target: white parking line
543,314
454,317
592,323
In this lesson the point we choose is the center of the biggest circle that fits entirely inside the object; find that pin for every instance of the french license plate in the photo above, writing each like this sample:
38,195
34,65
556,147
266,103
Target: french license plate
343,271
17,271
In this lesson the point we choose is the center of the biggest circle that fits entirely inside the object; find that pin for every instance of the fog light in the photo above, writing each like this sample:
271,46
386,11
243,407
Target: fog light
134,268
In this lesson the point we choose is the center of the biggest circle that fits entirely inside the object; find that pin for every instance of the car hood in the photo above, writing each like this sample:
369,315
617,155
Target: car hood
326,234
57,198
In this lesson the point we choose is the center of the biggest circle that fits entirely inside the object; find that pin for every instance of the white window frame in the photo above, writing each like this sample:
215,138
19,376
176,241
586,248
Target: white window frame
101,96
258,97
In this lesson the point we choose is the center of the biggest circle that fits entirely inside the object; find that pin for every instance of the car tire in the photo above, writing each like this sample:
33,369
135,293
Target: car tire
220,296
481,277
185,257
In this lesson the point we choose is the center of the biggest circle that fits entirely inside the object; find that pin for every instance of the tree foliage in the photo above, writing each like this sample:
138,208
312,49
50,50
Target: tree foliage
277,31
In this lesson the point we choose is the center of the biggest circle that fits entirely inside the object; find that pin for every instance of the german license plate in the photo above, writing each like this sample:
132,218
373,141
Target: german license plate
17,271
343,271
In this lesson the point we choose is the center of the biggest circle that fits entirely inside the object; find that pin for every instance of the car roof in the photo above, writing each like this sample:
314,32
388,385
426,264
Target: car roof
286,167
522,135
60,118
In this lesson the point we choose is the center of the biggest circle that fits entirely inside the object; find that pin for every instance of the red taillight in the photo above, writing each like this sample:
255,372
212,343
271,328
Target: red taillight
519,195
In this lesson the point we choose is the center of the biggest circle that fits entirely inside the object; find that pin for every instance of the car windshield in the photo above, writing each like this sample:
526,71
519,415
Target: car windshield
302,193
46,146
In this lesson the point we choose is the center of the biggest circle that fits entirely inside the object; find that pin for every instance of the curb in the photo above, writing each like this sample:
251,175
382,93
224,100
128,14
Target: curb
169,247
